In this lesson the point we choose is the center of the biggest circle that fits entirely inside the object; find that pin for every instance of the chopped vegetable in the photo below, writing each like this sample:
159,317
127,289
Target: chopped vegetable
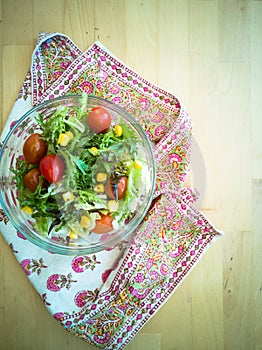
112,205
68,196
101,177
85,221
73,235
94,151
64,139
99,188
28,210
70,135
138,164
118,130
104,224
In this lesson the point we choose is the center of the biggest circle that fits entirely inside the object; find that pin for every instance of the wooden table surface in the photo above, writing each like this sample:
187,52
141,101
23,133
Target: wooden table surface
209,54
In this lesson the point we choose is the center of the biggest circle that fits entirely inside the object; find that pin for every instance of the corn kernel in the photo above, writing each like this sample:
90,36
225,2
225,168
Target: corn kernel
101,177
28,210
112,205
70,135
73,235
138,165
118,130
85,221
93,151
68,196
99,188
63,139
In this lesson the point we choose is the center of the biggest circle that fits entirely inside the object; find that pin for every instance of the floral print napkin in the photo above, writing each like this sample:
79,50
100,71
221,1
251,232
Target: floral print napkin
106,298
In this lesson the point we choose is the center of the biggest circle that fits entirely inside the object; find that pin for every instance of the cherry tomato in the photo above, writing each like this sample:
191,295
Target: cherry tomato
104,225
109,190
31,179
99,120
52,167
121,188
34,149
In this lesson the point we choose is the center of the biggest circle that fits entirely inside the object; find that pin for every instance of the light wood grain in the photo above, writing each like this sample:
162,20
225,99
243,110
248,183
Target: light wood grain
0,10
208,53
16,62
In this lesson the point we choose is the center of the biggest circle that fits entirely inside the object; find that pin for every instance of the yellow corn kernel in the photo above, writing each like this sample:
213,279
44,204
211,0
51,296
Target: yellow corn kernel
93,151
28,210
101,177
63,139
138,165
99,188
118,130
70,135
112,205
85,221
73,235
68,196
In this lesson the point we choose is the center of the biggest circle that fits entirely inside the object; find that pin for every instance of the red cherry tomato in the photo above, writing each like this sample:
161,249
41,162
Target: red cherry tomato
52,168
34,149
109,190
99,120
104,225
121,188
31,179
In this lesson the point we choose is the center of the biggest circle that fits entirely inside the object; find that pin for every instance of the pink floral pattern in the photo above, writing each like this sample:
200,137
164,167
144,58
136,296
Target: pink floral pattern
145,103
82,263
84,296
59,316
57,281
32,266
87,87
107,272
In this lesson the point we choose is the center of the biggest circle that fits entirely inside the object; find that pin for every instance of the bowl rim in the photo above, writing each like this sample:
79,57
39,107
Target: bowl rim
52,246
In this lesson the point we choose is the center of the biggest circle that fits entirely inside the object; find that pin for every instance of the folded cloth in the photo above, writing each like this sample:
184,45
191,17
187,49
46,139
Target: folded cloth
105,298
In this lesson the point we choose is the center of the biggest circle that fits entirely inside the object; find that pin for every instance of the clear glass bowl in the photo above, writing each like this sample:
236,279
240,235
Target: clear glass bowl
12,149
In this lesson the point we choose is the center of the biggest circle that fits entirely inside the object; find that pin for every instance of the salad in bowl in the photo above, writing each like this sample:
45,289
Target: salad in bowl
77,174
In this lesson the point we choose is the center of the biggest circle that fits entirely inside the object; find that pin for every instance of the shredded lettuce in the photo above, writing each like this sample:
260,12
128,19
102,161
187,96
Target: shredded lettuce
134,183
42,224
61,121
75,124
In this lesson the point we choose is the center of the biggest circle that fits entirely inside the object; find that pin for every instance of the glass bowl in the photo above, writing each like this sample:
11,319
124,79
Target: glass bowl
74,235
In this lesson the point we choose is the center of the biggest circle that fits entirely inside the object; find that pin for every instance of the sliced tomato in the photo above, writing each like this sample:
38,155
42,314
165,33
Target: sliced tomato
52,167
109,189
104,225
121,188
